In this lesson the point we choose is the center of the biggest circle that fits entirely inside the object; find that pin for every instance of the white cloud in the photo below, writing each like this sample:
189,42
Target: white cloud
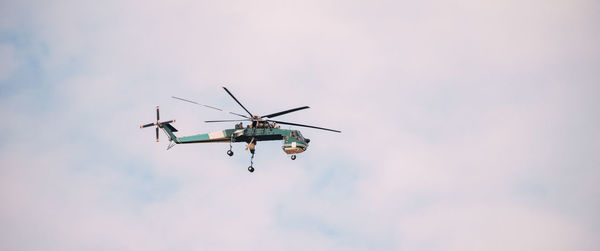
491,227
9,62
466,126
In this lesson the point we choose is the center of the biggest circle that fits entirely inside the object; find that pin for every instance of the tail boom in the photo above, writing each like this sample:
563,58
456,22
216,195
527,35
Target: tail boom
213,137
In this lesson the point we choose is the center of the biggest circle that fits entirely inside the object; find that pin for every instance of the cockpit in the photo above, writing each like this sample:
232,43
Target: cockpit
298,135
295,143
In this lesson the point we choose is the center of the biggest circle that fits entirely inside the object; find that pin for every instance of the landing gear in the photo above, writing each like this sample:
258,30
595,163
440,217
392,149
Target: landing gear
229,152
293,157
251,146
250,168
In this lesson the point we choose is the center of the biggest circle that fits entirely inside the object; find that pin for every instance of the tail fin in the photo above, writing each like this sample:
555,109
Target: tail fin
169,129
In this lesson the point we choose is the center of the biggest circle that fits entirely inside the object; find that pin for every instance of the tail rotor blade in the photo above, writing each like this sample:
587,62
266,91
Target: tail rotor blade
147,125
156,134
157,114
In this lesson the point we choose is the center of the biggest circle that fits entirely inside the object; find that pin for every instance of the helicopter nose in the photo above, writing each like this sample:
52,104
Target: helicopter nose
307,140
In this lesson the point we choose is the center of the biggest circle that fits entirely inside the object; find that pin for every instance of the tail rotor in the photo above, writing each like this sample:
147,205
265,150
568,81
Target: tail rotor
158,124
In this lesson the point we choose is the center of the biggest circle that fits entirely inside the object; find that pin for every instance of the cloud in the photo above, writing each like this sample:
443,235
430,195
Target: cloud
8,62
466,126
493,227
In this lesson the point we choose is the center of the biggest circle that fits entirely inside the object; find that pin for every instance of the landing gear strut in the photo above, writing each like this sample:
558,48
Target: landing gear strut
293,157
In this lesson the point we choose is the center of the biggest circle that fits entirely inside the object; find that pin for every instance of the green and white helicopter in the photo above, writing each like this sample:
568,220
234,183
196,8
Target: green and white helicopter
261,128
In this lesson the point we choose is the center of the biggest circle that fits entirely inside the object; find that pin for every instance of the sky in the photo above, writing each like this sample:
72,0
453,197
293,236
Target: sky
466,125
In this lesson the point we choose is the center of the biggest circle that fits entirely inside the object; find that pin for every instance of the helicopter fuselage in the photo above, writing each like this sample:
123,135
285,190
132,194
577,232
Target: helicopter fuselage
293,141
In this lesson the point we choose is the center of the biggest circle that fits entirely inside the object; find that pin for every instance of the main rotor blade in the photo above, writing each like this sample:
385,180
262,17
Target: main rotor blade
194,102
237,101
285,112
309,126
227,120
208,106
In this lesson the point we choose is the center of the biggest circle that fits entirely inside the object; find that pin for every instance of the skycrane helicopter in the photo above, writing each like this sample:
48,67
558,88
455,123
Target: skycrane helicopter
260,128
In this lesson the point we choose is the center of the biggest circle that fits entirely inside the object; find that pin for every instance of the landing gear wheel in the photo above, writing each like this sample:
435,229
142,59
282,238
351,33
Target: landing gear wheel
293,157
250,169
229,152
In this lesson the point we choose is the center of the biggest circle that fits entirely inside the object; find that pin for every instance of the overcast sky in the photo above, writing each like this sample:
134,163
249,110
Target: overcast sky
466,125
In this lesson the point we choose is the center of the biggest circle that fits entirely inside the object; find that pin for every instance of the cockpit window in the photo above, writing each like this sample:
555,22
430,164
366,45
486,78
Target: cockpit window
300,136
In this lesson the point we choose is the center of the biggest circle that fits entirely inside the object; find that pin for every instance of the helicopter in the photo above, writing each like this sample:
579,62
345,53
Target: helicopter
260,128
